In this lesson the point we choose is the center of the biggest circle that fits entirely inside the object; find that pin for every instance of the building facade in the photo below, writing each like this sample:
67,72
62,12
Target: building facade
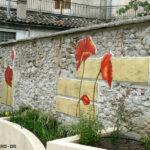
54,15
20,21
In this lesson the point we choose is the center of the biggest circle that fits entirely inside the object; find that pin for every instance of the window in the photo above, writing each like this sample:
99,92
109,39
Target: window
6,36
64,4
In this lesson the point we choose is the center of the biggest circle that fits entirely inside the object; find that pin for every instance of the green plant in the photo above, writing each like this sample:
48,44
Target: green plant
68,130
146,140
43,125
135,5
89,130
2,114
123,121
5,114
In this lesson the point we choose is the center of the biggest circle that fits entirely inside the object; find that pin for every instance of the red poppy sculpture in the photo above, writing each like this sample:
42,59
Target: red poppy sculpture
85,99
9,76
12,54
106,68
85,48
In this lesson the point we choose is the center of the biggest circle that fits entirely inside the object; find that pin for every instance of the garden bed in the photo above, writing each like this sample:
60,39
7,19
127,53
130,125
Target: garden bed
123,144
44,127
71,143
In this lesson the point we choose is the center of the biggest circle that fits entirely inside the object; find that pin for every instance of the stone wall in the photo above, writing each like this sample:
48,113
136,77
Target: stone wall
40,61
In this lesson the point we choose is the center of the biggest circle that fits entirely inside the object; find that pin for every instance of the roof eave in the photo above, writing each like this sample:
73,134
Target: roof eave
36,25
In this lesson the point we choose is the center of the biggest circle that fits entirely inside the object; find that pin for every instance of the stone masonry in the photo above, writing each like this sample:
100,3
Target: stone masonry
40,61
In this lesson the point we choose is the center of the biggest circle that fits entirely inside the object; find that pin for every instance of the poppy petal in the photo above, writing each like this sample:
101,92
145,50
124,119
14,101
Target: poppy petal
85,99
78,64
9,76
12,55
106,68
89,46
106,59
85,48
79,49
85,55
110,74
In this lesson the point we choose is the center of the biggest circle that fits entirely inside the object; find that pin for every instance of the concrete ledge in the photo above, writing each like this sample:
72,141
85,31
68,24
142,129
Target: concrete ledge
70,143
13,134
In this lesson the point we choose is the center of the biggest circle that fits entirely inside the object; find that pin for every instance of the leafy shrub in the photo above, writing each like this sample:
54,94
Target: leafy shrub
89,130
43,125
123,121
136,5
68,130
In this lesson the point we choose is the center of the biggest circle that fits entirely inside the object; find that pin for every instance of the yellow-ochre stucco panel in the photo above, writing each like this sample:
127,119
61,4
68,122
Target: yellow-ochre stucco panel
68,87
124,69
68,106
7,94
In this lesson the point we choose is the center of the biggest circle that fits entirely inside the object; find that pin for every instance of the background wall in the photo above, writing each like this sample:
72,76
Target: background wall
40,61
84,8
23,33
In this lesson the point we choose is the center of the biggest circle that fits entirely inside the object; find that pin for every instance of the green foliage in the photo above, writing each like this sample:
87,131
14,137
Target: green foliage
135,5
43,125
146,140
115,137
2,114
5,114
123,117
68,130
89,131
123,121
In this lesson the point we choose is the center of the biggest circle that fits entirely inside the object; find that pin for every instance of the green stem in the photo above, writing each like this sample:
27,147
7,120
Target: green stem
78,104
94,92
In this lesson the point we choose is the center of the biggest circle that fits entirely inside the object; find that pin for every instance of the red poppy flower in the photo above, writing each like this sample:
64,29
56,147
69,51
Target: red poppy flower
106,68
84,49
12,54
9,76
85,99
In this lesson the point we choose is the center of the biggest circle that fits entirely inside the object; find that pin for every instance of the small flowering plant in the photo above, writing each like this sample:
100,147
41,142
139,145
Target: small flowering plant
85,49
7,113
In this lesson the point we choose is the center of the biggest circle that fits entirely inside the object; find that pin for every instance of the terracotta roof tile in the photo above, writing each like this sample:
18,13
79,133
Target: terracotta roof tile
48,19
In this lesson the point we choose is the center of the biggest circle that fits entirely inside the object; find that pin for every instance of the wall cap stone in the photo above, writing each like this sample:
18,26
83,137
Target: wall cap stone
84,29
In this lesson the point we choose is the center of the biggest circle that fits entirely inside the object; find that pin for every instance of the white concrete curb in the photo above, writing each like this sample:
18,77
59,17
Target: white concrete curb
12,134
70,143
